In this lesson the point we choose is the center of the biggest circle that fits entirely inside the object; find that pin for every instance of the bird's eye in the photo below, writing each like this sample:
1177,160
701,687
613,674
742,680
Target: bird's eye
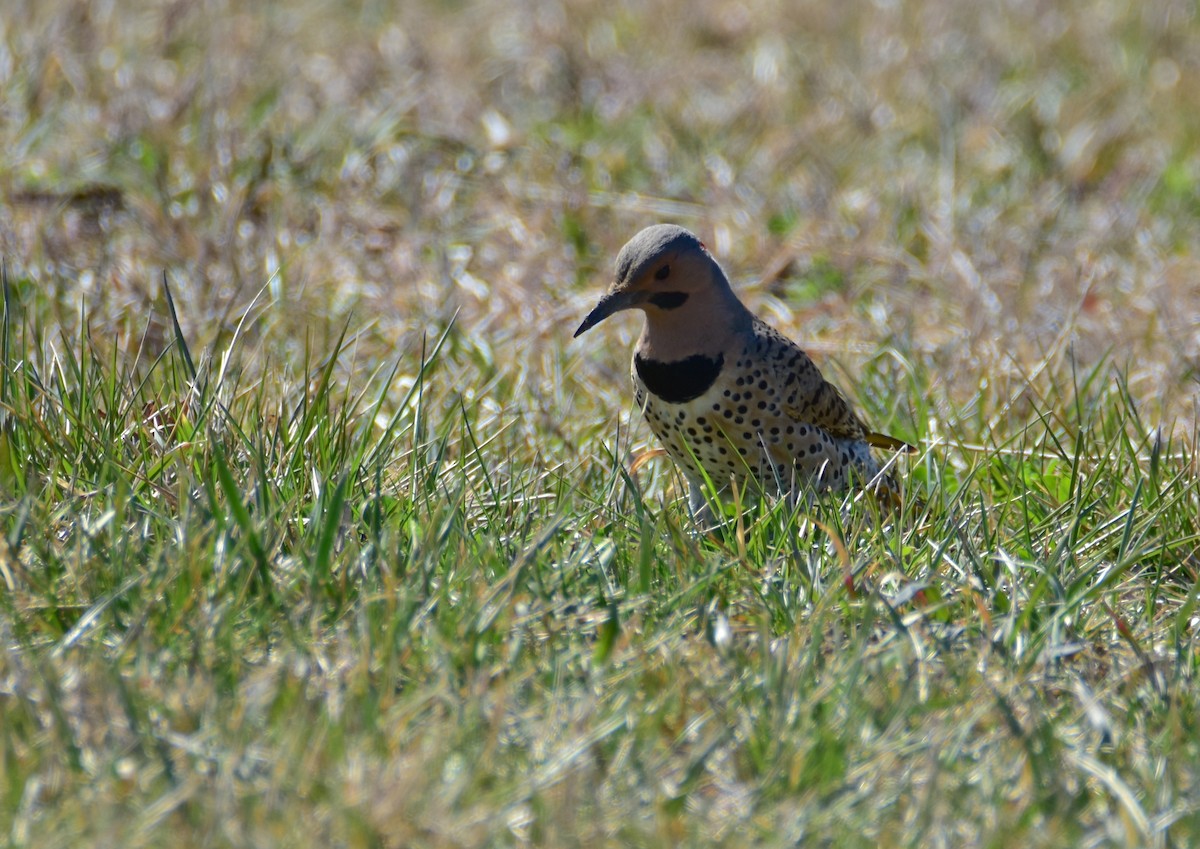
662,273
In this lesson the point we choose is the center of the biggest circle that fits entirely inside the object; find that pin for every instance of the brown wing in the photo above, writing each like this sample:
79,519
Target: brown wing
825,407
814,400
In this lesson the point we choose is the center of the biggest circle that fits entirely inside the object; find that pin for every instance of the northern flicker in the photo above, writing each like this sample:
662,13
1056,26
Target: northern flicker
729,397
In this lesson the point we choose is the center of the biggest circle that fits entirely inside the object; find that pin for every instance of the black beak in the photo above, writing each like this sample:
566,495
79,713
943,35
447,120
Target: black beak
609,304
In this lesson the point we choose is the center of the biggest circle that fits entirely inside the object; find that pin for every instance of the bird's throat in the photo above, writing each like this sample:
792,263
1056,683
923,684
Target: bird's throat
681,380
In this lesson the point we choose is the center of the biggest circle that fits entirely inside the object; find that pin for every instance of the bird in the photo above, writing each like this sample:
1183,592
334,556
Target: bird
732,400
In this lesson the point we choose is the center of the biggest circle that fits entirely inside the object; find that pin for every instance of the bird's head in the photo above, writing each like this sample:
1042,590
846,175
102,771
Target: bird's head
666,272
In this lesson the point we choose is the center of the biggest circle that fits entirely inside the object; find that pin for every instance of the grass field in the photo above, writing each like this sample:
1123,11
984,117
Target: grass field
345,544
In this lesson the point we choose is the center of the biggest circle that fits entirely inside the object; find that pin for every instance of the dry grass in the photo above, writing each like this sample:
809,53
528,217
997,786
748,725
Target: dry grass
375,574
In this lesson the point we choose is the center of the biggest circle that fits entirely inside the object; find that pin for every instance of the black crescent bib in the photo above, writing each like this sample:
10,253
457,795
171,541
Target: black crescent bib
679,381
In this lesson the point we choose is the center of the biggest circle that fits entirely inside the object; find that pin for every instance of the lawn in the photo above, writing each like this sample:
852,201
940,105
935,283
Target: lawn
319,529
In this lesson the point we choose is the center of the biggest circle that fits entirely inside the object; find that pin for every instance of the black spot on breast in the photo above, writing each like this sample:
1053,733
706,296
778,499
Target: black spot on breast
679,381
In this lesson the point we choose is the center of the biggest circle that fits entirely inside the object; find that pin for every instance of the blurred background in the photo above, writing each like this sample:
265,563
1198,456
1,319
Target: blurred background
985,188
